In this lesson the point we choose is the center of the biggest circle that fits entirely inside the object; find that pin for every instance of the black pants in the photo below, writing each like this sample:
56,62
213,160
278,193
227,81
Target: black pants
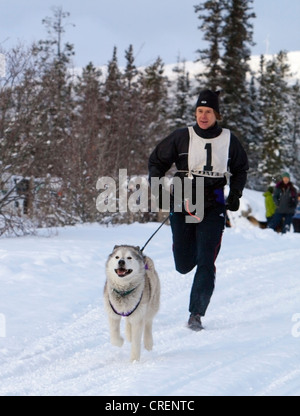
277,219
296,224
198,245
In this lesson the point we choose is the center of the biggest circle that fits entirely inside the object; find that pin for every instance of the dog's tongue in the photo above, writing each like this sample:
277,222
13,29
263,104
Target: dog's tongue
122,272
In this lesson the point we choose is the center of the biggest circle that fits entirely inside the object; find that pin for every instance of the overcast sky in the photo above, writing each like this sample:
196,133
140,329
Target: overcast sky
165,28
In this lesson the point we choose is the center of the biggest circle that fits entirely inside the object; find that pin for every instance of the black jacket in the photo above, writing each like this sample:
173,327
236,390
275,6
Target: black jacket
285,198
175,148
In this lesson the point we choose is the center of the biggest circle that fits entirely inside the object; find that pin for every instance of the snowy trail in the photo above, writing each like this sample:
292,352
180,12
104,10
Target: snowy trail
57,339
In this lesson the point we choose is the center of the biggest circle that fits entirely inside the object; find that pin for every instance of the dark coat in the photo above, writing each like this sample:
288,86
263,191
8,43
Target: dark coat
175,148
285,198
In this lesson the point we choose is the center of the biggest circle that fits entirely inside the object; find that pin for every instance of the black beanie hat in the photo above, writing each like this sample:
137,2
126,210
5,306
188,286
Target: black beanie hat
208,98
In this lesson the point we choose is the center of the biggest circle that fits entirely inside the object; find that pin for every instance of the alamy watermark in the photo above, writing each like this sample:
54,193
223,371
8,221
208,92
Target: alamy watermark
296,326
2,326
133,194
2,65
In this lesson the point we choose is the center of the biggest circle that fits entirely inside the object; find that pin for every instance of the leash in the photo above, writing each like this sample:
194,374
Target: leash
165,220
148,241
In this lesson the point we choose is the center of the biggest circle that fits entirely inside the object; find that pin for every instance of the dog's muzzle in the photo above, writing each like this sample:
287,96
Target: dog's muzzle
121,272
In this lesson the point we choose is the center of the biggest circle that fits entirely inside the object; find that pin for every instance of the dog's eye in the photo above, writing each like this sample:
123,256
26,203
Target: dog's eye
129,258
117,257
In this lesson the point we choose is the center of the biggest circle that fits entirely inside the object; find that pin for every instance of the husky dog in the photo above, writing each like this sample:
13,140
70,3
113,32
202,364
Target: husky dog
132,290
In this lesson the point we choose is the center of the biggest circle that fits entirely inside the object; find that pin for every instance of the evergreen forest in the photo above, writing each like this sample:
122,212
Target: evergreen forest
62,128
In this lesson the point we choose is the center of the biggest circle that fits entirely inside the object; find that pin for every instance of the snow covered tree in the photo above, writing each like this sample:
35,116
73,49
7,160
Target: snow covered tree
154,96
253,137
131,71
112,118
295,112
228,31
237,37
54,87
113,85
17,139
85,146
210,13
183,111
131,112
276,123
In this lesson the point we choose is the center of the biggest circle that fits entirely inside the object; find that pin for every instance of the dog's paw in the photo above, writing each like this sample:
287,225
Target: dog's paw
117,341
135,358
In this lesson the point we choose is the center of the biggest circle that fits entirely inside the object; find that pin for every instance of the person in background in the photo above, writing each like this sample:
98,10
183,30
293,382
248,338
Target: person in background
296,217
285,198
269,204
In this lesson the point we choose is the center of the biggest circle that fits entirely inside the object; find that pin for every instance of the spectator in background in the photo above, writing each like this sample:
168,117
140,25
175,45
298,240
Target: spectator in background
269,204
296,217
285,198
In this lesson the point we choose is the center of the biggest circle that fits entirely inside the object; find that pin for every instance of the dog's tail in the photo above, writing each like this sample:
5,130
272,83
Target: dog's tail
254,221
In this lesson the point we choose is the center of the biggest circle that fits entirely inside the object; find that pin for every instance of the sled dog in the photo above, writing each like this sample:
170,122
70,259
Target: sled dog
132,291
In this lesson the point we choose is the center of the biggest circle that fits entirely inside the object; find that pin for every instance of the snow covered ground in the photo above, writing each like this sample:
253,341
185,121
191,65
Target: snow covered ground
54,337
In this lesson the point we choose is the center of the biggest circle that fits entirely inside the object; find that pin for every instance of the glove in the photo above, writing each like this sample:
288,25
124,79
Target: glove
233,200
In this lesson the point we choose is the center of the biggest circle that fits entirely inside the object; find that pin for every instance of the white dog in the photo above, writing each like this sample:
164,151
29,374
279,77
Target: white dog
132,290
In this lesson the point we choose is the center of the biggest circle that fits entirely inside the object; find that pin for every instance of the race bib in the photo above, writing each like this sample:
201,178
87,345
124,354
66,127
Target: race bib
209,157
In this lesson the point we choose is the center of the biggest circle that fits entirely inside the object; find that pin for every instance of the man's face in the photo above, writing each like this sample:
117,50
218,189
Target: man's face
205,117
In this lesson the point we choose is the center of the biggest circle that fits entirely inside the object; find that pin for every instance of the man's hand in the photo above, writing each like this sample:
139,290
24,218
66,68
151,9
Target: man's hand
233,200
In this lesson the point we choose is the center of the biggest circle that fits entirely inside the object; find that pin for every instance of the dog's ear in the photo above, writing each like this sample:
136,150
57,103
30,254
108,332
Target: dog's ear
137,248
115,247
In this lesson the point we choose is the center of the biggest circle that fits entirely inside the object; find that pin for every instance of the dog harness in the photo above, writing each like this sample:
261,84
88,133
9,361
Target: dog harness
125,314
123,294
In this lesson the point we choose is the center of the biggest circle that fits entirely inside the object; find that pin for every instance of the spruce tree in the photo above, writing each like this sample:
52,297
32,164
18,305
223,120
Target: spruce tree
210,13
113,85
182,113
228,30
130,69
276,127
55,108
131,113
86,145
154,95
295,122
253,137
237,38
111,129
